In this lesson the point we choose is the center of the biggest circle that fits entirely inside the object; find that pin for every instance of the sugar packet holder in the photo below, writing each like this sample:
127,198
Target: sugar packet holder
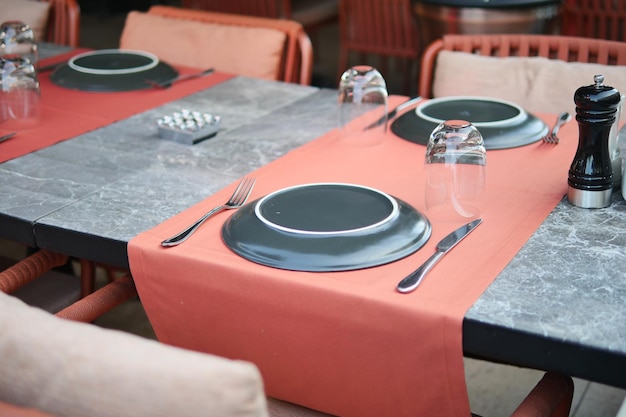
188,127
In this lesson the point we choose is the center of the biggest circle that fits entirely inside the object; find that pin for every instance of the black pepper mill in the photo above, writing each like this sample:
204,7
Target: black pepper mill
590,176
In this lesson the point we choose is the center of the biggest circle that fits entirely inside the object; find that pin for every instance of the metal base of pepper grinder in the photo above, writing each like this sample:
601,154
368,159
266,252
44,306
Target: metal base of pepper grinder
589,199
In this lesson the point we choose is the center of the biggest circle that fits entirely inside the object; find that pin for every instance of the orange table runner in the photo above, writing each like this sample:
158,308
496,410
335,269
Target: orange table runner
67,113
348,343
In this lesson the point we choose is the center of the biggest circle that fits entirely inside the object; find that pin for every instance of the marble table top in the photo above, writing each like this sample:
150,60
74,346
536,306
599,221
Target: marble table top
559,305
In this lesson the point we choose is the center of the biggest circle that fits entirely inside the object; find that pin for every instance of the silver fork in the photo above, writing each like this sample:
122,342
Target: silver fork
238,199
552,137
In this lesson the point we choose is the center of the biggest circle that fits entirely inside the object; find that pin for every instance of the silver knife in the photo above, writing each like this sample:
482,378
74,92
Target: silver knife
411,282
168,83
7,136
395,111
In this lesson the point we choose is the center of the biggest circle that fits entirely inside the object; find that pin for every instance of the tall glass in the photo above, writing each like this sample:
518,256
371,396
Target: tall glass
362,105
455,171
17,38
19,94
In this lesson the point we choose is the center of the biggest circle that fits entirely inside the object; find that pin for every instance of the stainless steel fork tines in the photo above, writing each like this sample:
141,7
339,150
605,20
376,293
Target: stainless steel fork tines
552,137
238,199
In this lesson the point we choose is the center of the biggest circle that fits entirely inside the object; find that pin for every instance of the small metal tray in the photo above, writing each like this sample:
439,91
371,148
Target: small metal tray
188,127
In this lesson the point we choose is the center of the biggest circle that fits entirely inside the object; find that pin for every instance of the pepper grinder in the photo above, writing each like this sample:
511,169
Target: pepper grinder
590,177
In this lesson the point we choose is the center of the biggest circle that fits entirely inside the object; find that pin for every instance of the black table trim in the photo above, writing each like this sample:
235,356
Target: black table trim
515,347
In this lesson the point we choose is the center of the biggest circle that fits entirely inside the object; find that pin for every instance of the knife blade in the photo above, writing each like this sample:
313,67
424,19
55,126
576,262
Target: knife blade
51,67
168,83
7,136
395,111
410,282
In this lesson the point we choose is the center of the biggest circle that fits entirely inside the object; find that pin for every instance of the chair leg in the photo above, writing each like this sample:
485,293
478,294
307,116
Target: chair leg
29,269
552,396
87,277
100,301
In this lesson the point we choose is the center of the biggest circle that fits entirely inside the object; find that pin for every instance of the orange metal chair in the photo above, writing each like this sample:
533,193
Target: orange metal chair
565,48
63,22
385,28
85,309
551,397
262,8
309,13
602,19
29,269
297,59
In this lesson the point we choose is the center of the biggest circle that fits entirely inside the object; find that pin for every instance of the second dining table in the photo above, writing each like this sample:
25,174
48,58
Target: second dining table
557,305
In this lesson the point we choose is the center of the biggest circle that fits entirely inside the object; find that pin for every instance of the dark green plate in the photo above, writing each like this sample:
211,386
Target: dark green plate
326,227
503,125
67,77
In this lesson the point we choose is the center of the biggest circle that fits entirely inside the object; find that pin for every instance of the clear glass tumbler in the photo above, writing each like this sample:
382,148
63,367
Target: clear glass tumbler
363,105
19,94
455,171
17,38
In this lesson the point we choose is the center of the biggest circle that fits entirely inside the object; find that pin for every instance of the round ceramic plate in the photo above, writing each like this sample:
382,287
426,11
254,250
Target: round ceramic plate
502,124
326,227
112,70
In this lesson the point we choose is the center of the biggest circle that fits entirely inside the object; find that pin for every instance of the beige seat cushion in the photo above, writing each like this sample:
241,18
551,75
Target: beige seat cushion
33,12
11,410
75,370
254,52
536,84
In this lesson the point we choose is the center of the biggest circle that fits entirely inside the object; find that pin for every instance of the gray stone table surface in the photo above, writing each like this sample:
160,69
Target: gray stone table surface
565,288
559,305
47,49
90,195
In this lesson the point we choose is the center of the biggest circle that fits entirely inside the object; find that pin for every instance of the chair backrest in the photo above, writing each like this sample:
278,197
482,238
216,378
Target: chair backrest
261,8
276,49
94,370
384,27
56,21
309,13
63,22
531,70
602,19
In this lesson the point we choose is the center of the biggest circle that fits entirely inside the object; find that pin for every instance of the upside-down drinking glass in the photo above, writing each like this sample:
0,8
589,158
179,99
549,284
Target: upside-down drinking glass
362,105
19,94
17,38
455,172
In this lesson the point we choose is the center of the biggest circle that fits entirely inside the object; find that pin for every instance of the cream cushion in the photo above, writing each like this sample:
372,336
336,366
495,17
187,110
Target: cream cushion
74,369
254,52
11,410
536,84
33,12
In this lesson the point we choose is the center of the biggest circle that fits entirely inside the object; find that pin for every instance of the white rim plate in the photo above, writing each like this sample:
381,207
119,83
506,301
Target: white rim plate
393,213
520,117
337,227
153,62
